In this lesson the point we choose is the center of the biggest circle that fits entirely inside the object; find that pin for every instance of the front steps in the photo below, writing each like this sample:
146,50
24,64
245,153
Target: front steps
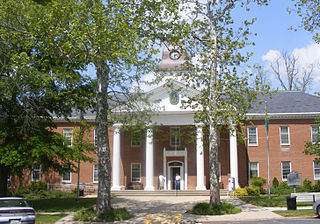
223,192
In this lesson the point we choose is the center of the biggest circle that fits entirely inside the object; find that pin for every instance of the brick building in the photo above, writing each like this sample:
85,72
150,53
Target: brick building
178,144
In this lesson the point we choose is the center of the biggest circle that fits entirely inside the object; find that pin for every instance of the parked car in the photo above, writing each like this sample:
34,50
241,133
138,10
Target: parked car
15,210
316,207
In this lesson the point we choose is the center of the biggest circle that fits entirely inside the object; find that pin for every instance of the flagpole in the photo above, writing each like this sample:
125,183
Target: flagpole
267,129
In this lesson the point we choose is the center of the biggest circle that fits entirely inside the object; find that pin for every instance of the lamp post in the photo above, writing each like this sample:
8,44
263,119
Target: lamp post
268,158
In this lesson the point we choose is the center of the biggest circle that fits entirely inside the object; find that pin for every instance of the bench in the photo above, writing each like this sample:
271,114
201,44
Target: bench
306,197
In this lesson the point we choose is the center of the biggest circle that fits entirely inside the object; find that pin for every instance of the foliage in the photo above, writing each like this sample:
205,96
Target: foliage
49,218
241,191
39,80
254,191
275,201
313,148
38,186
309,12
316,186
284,185
307,184
275,182
258,182
111,215
214,209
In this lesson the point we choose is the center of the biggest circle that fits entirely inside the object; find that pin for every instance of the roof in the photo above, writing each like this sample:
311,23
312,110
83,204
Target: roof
285,102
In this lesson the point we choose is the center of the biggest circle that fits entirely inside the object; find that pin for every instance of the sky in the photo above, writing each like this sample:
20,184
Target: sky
274,37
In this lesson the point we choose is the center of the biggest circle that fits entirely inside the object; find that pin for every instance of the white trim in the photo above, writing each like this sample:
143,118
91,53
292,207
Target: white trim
284,133
95,181
139,172
314,173
66,181
284,179
256,135
314,126
250,169
32,169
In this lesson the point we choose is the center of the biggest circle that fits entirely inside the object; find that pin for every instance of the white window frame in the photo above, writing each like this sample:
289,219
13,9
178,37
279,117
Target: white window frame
251,169
312,129
33,169
68,134
135,180
284,133
177,137
95,173
314,170
66,180
256,136
285,179
94,137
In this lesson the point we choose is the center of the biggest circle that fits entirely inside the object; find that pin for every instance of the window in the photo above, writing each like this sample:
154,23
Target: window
316,170
252,136
95,173
66,176
67,134
174,136
253,169
284,136
94,137
285,169
136,138
314,134
36,172
135,172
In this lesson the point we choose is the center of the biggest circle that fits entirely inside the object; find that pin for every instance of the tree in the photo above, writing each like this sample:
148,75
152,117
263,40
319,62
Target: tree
118,38
290,75
213,43
309,11
313,147
39,79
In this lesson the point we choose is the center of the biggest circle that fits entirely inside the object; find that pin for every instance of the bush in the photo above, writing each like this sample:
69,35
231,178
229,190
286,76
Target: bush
216,209
283,185
307,184
241,192
275,182
254,191
20,192
38,186
257,182
316,186
88,214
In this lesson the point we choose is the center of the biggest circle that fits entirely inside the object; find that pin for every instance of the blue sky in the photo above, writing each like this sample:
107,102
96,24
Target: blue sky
274,36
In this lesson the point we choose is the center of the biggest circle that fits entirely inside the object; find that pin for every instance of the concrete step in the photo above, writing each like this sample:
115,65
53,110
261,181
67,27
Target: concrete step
223,192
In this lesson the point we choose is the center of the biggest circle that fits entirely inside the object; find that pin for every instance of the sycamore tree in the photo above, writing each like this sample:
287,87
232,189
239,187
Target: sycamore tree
214,43
119,38
39,80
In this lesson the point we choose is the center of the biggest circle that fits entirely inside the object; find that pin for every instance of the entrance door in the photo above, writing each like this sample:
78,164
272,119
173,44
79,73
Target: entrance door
175,171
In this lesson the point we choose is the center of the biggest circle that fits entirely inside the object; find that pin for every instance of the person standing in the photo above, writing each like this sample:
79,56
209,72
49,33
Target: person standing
177,181
161,182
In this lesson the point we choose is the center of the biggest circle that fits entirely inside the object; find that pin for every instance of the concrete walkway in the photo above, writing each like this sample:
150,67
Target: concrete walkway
172,209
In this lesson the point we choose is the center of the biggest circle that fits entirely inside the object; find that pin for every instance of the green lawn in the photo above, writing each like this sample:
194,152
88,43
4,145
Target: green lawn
60,204
296,213
48,219
275,201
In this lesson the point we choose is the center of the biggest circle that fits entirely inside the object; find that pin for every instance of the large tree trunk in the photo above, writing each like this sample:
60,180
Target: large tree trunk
104,163
213,133
3,180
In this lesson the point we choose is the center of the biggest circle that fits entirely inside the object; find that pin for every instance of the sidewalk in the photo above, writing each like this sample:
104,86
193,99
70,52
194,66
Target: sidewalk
168,209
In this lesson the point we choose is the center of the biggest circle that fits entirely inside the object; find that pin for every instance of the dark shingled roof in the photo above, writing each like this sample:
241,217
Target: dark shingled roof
289,102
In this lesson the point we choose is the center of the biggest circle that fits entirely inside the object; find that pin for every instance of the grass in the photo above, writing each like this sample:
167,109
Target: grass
88,214
296,213
48,219
275,201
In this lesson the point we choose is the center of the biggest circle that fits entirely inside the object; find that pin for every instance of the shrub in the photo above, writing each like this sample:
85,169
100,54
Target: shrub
307,184
20,192
316,186
254,191
275,182
257,182
241,192
216,209
88,214
38,186
283,185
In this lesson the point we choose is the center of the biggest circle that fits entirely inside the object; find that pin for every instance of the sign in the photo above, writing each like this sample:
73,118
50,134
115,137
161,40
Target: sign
174,98
294,179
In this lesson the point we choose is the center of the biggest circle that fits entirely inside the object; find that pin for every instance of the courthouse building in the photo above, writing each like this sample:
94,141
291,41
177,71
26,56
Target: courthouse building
178,144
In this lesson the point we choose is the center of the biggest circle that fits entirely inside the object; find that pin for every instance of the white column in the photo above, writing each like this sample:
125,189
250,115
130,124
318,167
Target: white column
149,161
200,160
165,168
116,158
186,169
234,155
